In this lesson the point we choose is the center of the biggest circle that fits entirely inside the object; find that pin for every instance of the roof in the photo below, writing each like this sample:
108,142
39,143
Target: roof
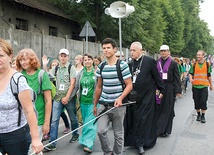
43,6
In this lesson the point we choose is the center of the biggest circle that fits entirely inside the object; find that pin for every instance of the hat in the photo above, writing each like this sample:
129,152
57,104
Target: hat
118,53
65,51
164,47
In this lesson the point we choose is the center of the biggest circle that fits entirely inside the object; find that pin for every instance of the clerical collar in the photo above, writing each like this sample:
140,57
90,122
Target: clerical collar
165,58
139,57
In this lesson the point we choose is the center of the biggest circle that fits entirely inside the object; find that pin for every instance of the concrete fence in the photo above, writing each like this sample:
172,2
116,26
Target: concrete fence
45,44
49,45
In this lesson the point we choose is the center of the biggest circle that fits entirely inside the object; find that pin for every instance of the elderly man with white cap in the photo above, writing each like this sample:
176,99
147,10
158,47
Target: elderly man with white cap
65,74
117,54
169,74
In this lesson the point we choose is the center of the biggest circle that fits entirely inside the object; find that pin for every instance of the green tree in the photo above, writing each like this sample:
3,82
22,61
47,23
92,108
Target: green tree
154,22
174,16
196,32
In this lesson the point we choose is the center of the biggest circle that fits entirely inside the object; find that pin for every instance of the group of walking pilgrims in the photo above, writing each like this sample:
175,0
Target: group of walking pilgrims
91,87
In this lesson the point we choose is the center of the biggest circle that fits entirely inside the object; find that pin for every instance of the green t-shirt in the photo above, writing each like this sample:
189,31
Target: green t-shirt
180,69
200,65
34,84
87,83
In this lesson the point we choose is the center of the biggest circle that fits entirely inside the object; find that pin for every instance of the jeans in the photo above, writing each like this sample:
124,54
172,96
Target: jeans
56,112
16,142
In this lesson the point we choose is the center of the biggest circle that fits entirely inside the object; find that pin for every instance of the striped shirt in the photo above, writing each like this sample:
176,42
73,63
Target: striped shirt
112,87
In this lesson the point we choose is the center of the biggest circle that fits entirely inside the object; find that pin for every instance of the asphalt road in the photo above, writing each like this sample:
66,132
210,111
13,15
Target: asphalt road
188,136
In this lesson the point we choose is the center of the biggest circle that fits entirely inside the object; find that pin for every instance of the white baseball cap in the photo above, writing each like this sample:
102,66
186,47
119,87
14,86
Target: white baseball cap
164,47
65,51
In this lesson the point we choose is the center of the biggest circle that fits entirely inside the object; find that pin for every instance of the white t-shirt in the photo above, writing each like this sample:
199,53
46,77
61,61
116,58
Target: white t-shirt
9,109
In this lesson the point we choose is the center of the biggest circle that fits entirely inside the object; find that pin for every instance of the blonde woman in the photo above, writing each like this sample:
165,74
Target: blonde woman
78,63
79,67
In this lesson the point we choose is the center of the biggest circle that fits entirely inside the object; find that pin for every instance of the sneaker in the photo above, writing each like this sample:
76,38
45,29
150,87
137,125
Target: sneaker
67,130
85,149
203,119
50,147
198,118
80,123
45,137
74,138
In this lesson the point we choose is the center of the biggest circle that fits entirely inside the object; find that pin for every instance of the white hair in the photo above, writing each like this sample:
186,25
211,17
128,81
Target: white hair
139,45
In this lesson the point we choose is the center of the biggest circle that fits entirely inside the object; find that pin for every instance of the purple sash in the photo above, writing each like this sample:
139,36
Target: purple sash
161,71
165,67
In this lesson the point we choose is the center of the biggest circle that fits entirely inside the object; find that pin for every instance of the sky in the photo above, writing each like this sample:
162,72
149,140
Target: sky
207,14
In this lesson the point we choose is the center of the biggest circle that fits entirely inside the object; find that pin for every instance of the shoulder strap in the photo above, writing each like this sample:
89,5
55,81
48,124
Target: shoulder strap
119,74
56,69
208,65
40,77
194,68
119,71
101,67
15,91
69,69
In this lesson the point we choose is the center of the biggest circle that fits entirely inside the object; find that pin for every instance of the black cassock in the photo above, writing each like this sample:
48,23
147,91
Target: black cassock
141,118
166,108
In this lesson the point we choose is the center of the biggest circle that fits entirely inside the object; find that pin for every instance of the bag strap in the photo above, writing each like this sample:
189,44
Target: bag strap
101,67
69,69
40,77
208,65
14,85
119,74
56,69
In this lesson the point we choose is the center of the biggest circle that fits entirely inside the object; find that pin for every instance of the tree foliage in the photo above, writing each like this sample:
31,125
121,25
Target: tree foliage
154,22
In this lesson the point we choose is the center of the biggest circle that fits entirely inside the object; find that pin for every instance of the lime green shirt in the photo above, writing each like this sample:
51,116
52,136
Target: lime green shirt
53,90
191,72
87,83
34,84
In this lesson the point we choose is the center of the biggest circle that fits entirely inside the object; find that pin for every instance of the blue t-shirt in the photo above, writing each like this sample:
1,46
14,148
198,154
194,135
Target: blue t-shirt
112,87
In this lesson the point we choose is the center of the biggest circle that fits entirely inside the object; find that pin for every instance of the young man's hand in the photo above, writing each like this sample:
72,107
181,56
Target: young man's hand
118,102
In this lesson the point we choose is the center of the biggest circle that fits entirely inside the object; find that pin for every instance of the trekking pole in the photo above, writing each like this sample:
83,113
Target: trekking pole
124,104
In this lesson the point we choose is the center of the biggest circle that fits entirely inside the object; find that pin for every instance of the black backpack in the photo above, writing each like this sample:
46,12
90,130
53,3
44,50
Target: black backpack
57,67
132,96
